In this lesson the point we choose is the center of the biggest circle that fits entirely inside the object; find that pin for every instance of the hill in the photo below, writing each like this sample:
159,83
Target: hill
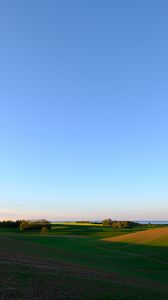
153,237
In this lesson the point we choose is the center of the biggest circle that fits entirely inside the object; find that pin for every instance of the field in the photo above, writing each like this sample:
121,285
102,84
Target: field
154,237
80,262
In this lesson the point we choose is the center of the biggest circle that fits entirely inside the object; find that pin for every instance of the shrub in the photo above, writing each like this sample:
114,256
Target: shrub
44,230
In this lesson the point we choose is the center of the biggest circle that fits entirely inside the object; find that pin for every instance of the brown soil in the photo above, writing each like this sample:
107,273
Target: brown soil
150,236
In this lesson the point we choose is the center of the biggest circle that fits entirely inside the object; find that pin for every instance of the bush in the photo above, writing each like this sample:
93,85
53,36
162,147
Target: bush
44,230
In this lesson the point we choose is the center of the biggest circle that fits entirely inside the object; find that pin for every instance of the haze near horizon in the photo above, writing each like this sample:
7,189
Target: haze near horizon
83,109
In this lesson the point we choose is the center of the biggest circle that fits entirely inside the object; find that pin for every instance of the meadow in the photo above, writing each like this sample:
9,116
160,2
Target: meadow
88,261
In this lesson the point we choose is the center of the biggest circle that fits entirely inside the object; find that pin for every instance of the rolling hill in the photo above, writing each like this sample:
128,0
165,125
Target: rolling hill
153,237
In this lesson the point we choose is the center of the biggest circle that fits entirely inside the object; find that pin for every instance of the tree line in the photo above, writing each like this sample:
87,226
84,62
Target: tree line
120,224
10,224
26,224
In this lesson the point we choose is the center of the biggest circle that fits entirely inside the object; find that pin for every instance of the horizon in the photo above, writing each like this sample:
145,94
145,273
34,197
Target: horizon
19,217
83,110
90,221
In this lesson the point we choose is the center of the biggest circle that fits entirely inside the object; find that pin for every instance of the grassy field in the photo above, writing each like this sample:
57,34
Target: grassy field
76,262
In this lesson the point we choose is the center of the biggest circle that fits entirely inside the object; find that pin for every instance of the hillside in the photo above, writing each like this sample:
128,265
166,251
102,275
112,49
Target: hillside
155,237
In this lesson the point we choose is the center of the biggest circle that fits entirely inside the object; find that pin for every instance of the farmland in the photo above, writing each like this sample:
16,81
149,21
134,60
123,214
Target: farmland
77,262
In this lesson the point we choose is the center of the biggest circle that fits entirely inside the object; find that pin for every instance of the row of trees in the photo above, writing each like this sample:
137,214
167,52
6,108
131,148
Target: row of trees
26,224
120,224
35,224
10,224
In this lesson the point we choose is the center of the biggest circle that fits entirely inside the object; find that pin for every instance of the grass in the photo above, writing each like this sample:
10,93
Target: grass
90,230
74,262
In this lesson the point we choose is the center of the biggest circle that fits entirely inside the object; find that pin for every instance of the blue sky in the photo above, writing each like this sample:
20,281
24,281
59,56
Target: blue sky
83,109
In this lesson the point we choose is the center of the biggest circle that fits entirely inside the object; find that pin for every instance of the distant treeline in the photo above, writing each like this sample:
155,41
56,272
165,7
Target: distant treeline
120,224
87,222
39,224
26,224
11,224
83,222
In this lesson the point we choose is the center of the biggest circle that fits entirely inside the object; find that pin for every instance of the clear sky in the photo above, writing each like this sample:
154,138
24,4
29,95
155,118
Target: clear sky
84,109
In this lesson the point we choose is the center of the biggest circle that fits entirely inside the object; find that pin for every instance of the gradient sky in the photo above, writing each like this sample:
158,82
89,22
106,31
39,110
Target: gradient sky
84,109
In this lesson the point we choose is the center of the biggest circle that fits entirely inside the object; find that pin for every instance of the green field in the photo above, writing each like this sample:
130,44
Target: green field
75,262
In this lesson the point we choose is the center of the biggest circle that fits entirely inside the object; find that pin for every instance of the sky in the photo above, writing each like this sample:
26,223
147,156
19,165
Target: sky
84,109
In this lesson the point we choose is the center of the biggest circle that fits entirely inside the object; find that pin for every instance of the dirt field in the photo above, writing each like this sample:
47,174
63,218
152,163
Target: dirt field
158,236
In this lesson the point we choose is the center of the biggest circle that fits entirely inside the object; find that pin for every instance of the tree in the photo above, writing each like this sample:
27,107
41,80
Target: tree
107,222
24,225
